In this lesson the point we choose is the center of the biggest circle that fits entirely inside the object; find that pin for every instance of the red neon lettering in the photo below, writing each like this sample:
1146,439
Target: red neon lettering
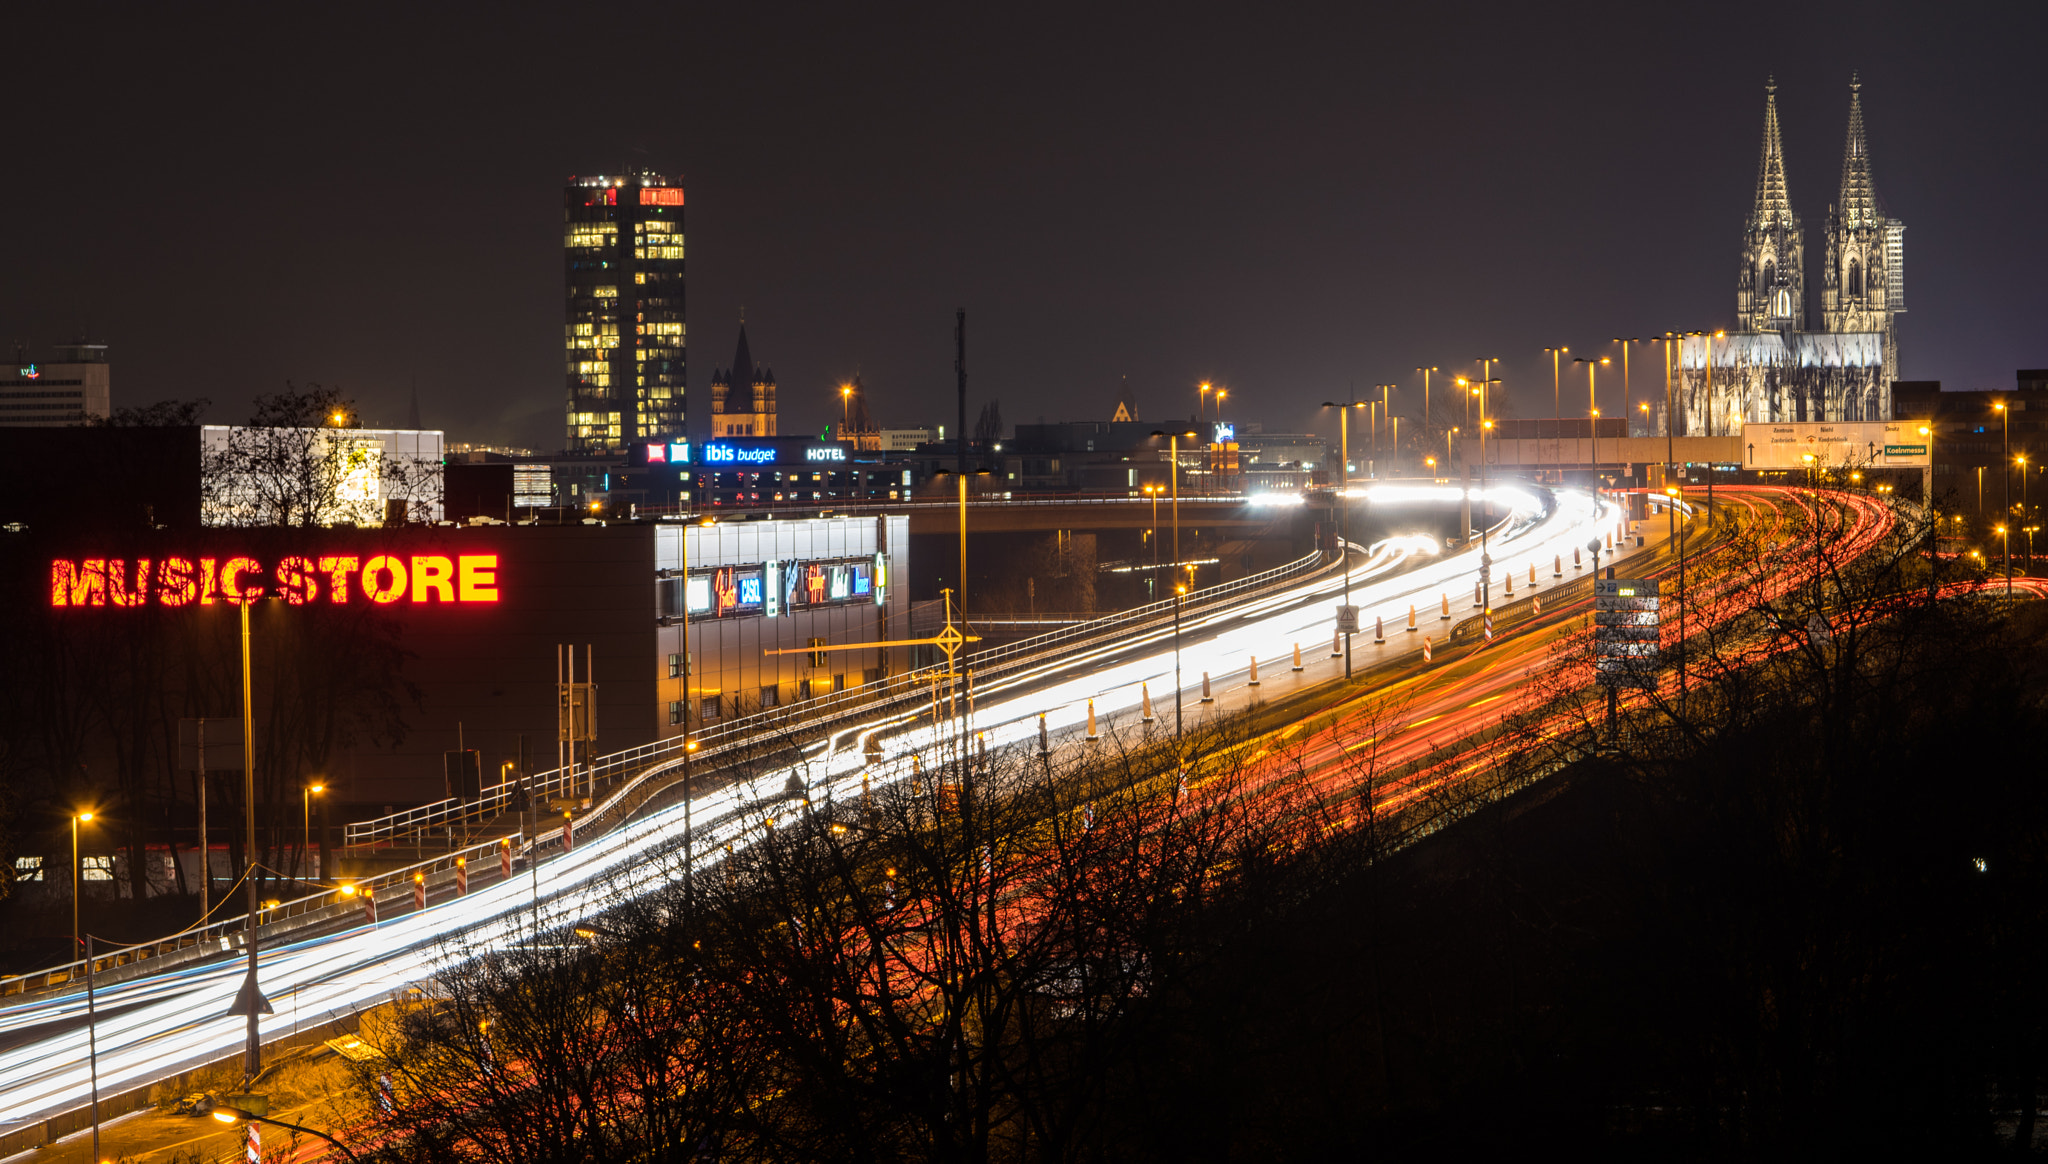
231,587
384,578
207,588
814,583
117,582
78,584
479,578
728,594
175,585
296,582
432,575
337,569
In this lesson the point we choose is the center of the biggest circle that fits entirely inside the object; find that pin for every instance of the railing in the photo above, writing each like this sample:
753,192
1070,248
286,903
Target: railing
225,934
228,934
450,813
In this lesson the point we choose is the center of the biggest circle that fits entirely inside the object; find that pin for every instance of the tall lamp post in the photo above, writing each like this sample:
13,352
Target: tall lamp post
1173,486
1344,506
1593,411
1202,396
1152,535
2005,471
1556,380
1427,420
1478,388
1624,372
77,874
306,796
250,1000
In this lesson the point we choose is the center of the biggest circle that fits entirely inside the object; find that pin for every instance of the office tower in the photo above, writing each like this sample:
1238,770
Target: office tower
624,339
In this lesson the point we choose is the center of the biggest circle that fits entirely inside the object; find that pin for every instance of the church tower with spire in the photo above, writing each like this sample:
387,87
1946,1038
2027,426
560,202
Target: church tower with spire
1770,288
743,396
1863,286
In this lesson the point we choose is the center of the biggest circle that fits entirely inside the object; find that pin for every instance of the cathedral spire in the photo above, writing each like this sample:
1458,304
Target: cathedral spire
1857,204
1773,202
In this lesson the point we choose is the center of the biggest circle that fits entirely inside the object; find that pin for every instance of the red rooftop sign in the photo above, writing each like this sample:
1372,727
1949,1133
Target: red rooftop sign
335,578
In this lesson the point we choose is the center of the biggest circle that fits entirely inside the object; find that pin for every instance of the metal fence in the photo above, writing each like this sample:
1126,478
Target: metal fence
622,768
573,781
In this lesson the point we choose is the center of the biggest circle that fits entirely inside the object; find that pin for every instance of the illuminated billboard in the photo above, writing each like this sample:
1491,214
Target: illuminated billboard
337,579
778,588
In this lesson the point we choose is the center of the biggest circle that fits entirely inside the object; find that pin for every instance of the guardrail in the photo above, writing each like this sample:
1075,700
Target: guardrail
452,812
227,935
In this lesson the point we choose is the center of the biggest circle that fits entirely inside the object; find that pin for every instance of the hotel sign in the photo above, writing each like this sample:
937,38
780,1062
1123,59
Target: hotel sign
339,579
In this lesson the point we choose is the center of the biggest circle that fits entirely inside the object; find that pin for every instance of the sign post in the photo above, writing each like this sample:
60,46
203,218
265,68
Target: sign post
1626,629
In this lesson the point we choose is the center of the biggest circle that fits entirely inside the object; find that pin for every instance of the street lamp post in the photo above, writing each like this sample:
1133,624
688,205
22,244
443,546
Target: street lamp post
1152,535
1593,411
1203,397
1344,507
77,874
1485,555
252,1001
1556,380
1624,372
1672,492
2005,471
1173,485
306,796
1426,418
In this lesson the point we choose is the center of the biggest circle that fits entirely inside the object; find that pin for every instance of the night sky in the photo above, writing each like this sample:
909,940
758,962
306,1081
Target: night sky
1288,201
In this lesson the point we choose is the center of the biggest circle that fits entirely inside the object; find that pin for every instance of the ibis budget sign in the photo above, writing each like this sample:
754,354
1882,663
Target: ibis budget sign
416,579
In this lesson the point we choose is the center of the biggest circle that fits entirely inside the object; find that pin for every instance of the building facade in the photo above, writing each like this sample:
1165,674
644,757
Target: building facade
73,390
743,396
1771,369
624,340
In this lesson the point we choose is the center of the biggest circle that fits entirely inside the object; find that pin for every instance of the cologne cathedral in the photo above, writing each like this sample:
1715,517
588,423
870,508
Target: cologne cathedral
1773,369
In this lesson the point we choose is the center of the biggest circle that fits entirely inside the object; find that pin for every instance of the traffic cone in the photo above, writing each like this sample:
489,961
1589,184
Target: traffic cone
1336,643
1508,576
1447,608
1207,695
1425,648
1557,567
1379,630
1532,575
1411,617
1575,558
1091,719
1254,680
1610,540
1478,595
1145,700
1297,656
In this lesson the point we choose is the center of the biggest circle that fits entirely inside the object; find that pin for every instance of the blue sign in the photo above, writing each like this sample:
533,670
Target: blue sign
1225,433
729,453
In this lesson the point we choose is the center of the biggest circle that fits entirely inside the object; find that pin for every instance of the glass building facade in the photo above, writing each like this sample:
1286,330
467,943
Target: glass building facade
623,340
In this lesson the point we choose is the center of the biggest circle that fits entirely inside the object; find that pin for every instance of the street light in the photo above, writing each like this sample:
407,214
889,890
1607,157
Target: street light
1624,370
306,796
1485,556
235,1115
1593,410
1153,491
2007,539
2005,471
77,874
1203,397
1556,382
1344,508
1673,494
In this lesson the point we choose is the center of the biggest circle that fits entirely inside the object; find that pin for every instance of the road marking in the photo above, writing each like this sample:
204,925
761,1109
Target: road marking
1488,699
1420,722
1360,744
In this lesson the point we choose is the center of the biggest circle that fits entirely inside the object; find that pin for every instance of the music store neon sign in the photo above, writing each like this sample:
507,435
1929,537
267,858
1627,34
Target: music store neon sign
333,578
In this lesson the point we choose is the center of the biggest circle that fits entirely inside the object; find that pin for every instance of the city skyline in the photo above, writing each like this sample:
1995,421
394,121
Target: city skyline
1116,206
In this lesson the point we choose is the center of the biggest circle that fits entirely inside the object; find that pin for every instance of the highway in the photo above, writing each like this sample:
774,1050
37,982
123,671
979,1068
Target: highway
152,1027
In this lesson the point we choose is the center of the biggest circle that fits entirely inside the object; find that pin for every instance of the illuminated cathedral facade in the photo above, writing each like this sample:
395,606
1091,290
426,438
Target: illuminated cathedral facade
1772,368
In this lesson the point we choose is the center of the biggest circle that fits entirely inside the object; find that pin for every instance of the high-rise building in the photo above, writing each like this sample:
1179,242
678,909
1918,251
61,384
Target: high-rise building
73,390
624,339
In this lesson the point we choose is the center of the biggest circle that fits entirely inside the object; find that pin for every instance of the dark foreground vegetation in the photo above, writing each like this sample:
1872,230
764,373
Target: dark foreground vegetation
1796,911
